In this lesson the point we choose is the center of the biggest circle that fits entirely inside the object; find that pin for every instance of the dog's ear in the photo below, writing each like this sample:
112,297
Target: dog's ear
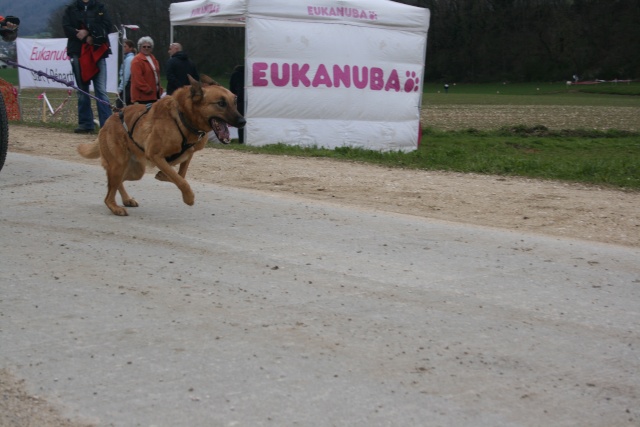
208,81
196,89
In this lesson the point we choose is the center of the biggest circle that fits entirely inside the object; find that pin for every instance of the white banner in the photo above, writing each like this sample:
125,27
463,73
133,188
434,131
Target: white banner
333,85
50,56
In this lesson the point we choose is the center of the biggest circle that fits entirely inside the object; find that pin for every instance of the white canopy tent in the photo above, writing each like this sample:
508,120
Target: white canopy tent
330,73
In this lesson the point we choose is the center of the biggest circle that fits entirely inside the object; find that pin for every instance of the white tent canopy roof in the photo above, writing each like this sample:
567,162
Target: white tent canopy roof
382,13
225,13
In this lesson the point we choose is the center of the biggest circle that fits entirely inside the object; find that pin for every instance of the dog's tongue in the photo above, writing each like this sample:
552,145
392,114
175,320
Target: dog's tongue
221,130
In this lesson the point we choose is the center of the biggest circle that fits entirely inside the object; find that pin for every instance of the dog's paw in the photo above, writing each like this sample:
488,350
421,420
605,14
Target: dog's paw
188,198
119,210
130,203
161,176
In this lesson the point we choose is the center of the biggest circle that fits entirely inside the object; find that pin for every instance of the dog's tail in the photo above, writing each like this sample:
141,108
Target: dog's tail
90,150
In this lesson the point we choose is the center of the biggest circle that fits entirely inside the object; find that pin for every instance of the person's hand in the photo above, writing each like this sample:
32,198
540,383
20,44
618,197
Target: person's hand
9,28
9,23
81,34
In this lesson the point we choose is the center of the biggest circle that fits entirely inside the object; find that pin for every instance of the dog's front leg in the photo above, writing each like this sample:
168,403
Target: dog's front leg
182,171
179,181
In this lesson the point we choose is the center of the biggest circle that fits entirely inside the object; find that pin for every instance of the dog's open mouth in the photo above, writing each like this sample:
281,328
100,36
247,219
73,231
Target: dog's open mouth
221,130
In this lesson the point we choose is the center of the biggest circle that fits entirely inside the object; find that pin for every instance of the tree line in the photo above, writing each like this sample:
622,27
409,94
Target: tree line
468,40
532,40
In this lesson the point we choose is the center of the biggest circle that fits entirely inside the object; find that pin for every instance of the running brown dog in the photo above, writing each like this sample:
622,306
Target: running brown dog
166,134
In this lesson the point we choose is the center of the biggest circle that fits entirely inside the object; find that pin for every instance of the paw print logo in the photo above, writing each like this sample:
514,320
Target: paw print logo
413,82
373,16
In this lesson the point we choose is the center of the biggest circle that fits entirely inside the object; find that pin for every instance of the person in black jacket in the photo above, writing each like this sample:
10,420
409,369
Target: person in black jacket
178,67
236,86
86,24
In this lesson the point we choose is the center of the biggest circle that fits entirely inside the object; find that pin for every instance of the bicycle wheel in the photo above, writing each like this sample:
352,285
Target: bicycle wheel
4,132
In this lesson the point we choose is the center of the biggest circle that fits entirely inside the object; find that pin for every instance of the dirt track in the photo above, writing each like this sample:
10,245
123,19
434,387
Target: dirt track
552,208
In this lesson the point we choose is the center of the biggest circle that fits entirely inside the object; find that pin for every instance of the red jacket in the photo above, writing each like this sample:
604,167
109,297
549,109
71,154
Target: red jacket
143,80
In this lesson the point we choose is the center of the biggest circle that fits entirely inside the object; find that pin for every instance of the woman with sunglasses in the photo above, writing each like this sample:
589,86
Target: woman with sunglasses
145,74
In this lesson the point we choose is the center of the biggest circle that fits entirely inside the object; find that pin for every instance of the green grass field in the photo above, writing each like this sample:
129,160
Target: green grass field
579,133
602,158
604,94
10,75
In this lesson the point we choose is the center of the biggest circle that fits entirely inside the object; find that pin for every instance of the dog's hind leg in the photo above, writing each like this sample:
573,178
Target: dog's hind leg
133,172
114,183
126,199
110,201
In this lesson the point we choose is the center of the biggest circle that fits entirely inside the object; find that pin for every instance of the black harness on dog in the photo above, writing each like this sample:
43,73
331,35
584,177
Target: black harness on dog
130,131
185,144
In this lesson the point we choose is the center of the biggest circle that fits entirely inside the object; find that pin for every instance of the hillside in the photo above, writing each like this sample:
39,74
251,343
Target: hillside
33,14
